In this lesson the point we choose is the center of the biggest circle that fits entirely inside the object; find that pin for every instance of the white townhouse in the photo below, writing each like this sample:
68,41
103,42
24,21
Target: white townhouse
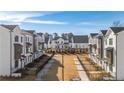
79,41
114,51
48,40
37,44
11,49
93,39
101,49
110,49
60,43
101,43
28,47
42,39
97,48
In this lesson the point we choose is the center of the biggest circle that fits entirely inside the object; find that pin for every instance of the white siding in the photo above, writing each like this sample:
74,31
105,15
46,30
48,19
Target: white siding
4,51
120,56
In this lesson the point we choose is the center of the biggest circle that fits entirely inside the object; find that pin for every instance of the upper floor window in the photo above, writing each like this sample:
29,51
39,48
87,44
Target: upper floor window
21,39
16,39
110,41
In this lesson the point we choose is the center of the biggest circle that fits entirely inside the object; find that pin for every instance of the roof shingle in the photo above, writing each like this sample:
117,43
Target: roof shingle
117,29
80,39
10,27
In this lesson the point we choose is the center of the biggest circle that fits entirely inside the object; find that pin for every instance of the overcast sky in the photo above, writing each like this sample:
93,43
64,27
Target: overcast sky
61,22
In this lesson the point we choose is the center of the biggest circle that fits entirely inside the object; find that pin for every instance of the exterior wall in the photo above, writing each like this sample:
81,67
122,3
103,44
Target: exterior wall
16,32
59,43
110,34
28,56
38,47
80,45
4,51
120,56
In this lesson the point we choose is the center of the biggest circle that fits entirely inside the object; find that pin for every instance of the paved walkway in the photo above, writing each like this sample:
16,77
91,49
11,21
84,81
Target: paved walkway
44,71
81,71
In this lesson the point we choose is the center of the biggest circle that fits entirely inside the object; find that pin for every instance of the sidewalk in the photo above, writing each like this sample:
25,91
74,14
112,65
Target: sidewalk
81,71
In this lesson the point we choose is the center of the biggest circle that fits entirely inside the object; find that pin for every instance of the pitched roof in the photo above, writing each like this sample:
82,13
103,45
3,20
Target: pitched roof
31,31
60,37
25,32
40,34
117,29
10,27
103,32
93,34
80,39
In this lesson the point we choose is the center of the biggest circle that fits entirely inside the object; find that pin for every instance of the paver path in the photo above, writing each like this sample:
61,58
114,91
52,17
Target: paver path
81,71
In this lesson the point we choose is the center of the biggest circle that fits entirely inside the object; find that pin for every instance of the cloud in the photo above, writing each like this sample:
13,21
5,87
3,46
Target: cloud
85,23
45,22
26,17
17,16
88,23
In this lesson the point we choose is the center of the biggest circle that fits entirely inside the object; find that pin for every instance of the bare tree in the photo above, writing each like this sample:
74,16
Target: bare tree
55,35
117,24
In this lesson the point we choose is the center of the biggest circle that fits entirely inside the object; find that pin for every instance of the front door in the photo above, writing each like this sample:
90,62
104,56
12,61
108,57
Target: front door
110,59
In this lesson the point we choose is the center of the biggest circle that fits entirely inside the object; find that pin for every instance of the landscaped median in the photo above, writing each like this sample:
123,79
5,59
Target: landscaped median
30,71
93,71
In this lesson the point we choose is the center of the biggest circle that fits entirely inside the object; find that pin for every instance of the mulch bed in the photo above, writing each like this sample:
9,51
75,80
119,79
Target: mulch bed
93,71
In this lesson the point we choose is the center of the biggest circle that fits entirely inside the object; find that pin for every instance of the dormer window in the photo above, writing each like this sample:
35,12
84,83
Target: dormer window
16,39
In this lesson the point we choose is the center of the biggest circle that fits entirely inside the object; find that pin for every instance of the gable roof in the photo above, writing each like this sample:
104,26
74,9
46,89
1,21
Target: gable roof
31,31
103,32
60,37
93,34
10,27
117,29
80,39
25,32
40,34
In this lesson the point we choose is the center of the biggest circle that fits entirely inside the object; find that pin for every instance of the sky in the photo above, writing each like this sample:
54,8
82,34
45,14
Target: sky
77,22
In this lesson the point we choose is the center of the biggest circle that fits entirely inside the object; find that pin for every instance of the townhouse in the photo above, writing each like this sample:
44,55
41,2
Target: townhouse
93,52
59,43
109,51
114,51
42,39
37,44
47,43
80,42
11,49
65,43
28,47
18,47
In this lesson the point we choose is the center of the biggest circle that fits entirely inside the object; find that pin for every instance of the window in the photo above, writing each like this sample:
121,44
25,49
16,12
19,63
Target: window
21,39
110,41
16,39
